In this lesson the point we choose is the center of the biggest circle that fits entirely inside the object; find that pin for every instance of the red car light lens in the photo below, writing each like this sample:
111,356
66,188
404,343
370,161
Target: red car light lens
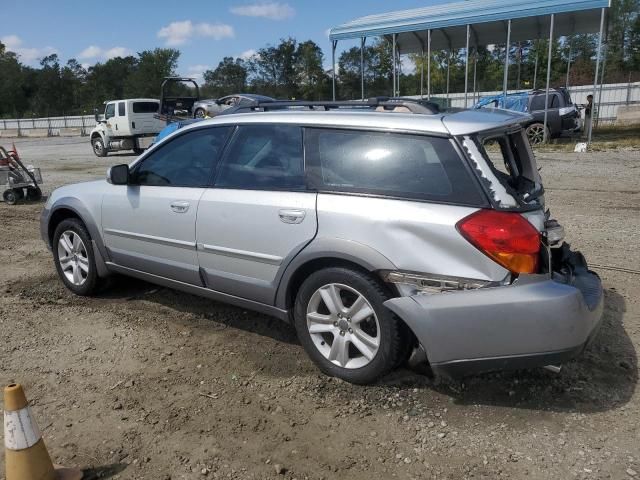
506,237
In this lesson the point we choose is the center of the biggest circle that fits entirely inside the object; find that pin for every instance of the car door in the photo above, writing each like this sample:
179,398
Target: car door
150,224
119,121
109,117
259,213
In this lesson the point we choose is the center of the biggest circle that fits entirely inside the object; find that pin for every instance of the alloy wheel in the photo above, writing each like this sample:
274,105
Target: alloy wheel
343,326
536,134
73,258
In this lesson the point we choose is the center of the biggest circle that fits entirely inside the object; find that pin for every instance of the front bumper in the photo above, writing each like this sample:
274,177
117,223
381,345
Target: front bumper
535,321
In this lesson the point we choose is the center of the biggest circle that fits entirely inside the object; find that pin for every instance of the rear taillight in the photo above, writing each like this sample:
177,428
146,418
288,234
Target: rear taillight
506,237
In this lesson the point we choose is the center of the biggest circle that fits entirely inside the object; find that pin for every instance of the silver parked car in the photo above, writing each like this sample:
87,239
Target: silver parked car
212,107
374,233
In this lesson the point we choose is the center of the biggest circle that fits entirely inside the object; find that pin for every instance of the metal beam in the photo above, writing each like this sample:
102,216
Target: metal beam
428,64
393,94
535,68
334,44
422,74
362,41
466,70
566,83
546,95
506,65
595,79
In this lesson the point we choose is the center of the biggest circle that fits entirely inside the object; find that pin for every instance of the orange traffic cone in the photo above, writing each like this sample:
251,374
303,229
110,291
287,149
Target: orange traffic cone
26,457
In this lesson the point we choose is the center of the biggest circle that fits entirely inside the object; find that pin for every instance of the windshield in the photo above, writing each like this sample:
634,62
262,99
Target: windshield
507,167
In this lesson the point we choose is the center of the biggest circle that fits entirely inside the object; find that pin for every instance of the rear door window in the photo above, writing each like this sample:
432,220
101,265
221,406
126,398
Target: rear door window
145,107
264,157
121,109
389,164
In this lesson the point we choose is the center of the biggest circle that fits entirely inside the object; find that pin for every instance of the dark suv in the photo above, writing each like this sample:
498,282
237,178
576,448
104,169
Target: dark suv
563,117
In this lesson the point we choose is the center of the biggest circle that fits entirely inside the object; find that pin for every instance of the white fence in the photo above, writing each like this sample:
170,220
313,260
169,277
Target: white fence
52,125
614,95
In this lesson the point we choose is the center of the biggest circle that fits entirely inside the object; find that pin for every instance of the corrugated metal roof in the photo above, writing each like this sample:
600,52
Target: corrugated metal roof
448,22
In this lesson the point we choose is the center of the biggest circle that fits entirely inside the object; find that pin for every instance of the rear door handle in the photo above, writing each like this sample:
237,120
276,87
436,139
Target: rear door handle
288,215
180,206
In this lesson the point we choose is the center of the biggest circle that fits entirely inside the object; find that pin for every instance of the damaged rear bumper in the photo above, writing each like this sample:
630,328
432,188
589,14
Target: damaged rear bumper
535,321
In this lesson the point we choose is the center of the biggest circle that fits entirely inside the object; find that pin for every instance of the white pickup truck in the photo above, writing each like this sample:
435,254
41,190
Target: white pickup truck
126,125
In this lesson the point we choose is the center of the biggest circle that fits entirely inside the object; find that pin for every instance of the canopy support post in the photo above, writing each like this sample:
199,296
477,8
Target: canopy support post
466,69
475,73
448,73
535,69
362,41
422,73
546,95
334,44
506,65
605,48
393,93
595,79
566,84
428,64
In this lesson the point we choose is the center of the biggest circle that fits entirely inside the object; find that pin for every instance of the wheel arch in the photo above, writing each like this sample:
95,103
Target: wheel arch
324,253
70,207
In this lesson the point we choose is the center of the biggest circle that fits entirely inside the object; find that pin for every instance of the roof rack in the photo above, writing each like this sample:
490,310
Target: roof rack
389,104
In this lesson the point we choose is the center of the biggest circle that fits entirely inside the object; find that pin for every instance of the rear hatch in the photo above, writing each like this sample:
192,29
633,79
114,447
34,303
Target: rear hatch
506,167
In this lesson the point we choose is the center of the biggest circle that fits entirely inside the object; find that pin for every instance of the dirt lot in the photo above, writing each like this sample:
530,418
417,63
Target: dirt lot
145,382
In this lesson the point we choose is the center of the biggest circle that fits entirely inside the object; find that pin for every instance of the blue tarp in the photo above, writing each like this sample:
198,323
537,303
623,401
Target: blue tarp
518,102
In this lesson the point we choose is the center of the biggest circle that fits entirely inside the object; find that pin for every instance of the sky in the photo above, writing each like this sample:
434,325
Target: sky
203,31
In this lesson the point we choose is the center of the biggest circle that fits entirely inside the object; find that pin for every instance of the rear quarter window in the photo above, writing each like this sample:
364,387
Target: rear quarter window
389,164
145,107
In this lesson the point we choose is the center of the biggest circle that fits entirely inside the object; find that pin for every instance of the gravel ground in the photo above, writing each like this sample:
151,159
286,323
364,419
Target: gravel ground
146,382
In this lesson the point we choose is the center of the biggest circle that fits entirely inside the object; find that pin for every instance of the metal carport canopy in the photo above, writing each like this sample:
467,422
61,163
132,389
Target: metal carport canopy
487,19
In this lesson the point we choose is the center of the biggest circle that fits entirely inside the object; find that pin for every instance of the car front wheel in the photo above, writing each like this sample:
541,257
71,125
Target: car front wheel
345,328
74,257
200,113
98,147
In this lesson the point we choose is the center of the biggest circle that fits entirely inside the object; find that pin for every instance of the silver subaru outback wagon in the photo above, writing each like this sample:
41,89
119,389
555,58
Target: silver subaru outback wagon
373,233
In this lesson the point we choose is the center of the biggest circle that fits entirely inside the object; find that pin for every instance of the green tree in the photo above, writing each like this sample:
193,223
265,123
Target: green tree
151,67
273,70
230,76
310,77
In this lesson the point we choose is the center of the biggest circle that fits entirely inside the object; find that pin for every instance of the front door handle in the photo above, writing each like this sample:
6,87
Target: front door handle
288,215
180,206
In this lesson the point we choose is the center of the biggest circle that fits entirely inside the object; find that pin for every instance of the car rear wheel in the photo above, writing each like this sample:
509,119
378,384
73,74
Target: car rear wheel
536,133
74,257
345,328
98,147
200,113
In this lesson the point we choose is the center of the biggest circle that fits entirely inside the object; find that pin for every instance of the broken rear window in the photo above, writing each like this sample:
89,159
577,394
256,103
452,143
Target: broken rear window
507,168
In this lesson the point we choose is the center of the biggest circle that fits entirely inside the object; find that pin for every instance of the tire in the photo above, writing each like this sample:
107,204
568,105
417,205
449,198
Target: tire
10,197
98,147
34,194
199,113
378,334
536,133
77,269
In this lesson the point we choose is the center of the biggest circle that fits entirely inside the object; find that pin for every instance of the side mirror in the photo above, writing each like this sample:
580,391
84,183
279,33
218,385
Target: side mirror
118,174
96,114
